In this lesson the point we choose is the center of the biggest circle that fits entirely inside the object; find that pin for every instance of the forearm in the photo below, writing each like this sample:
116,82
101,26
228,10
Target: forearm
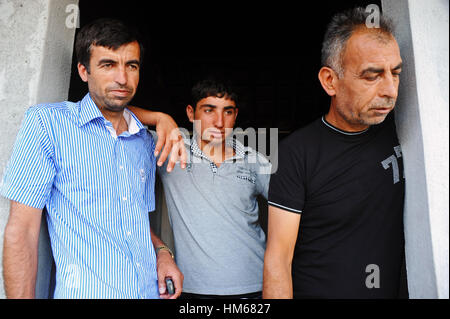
19,265
277,282
157,242
283,229
145,116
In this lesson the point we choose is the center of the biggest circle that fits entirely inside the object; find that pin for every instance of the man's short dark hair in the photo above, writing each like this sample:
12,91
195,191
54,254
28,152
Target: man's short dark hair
341,28
109,33
212,86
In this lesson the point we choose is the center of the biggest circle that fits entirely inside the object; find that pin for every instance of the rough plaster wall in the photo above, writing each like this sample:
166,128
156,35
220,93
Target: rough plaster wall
35,58
430,33
423,128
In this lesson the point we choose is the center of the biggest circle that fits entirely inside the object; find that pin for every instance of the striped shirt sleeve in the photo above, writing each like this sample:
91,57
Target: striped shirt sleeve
30,171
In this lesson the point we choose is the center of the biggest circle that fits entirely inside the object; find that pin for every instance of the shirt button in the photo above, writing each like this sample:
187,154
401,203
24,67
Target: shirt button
124,198
121,167
128,233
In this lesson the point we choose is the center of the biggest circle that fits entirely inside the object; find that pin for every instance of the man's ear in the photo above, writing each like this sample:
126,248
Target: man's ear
83,72
328,78
190,113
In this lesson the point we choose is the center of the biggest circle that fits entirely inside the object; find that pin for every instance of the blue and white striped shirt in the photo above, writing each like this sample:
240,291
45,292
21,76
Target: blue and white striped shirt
98,189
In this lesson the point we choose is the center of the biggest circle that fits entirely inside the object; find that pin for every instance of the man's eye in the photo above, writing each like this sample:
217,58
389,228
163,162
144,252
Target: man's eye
371,78
107,65
133,67
207,110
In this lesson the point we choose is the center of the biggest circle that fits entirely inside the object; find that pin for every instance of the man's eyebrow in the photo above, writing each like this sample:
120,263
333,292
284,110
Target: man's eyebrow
110,61
215,106
379,70
399,66
105,61
133,62
371,70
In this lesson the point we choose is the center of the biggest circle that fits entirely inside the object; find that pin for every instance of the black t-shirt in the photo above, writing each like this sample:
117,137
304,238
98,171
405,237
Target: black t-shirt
349,189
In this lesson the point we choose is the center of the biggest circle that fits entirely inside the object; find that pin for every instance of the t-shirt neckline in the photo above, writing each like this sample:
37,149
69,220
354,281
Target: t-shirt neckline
342,131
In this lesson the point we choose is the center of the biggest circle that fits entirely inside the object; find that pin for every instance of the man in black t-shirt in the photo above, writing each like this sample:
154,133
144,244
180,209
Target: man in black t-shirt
336,201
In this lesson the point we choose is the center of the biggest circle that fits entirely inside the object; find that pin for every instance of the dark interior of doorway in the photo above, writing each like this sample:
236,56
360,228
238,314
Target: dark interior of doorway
269,50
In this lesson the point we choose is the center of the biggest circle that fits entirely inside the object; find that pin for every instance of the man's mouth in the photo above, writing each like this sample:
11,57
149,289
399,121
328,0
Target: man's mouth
121,92
382,110
215,134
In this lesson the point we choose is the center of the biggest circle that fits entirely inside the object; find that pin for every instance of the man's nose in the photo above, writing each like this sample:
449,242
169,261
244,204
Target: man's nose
218,120
121,76
389,87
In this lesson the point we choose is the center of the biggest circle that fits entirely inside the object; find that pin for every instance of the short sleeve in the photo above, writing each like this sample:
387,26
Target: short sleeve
286,188
30,172
263,175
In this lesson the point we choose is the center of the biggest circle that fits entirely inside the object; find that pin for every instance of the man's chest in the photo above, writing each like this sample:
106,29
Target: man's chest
356,173
92,159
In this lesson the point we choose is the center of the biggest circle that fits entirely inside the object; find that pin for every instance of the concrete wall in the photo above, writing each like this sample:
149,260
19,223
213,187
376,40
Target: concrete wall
36,44
423,127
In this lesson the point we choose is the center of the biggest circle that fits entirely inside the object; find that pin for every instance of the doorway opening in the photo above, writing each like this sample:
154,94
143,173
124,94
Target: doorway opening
270,52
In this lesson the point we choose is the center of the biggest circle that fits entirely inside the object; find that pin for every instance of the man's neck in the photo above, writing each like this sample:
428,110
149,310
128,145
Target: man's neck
115,117
217,153
334,118
117,120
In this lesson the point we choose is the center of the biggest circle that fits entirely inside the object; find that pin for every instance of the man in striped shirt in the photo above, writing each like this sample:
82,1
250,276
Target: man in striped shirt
92,165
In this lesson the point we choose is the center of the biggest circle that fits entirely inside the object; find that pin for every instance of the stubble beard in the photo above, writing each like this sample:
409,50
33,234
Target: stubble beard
363,118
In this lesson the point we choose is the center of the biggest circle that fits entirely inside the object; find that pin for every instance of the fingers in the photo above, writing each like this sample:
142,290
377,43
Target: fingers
177,280
165,152
178,154
162,286
171,148
182,154
159,145
178,283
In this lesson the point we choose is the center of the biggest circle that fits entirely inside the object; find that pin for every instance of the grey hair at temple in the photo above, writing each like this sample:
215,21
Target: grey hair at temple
341,28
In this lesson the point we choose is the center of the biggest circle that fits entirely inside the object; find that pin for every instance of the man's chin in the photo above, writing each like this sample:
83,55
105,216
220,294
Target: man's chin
213,142
117,105
376,119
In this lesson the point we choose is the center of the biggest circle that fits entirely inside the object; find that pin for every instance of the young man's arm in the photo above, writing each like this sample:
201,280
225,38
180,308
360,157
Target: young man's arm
168,135
282,235
166,267
20,251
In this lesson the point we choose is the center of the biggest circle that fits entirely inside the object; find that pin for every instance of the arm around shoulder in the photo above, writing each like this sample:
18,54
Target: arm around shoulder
168,134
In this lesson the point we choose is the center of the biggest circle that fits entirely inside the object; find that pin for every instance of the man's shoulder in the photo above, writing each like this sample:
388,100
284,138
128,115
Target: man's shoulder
304,136
49,109
253,156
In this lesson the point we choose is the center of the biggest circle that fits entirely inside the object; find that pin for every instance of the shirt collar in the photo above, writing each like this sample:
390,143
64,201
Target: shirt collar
88,111
240,150
134,125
